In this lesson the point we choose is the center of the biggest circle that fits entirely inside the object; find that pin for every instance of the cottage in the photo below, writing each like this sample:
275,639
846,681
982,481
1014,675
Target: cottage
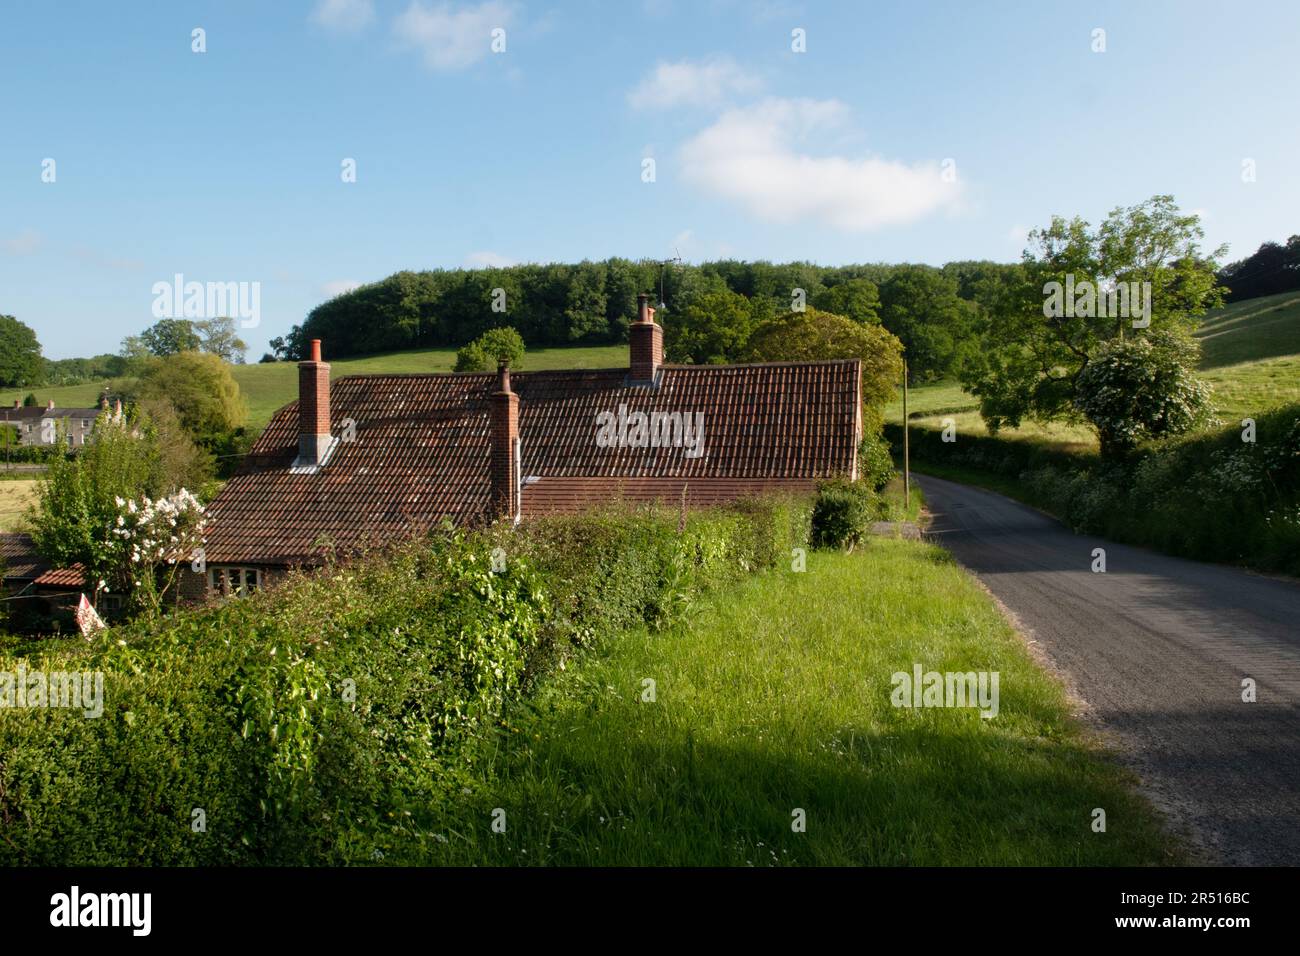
46,426
367,459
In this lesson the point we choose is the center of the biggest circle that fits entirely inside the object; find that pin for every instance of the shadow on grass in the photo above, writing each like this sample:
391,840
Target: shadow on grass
914,796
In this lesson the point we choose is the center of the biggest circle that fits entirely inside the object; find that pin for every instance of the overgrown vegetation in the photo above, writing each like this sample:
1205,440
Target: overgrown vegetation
325,720
1211,496
774,699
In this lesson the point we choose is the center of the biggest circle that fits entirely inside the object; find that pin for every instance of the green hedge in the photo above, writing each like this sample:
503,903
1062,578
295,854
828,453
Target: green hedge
1209,496
322,721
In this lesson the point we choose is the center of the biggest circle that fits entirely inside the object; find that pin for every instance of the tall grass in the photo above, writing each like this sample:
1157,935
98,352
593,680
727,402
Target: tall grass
774,699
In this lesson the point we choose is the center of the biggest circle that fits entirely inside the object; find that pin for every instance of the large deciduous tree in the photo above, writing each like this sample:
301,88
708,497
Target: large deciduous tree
20,353
920,305
201,389
219,337
1040,333
708,323
170,336
856,299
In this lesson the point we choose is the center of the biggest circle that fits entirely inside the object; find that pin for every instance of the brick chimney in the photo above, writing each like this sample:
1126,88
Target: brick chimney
50,406
504,439
313,409
647,340
18,403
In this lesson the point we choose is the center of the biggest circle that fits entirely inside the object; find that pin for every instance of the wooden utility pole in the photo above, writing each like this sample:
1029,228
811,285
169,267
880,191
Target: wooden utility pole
907,464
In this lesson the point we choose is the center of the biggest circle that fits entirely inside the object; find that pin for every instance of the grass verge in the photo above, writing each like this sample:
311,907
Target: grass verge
775,698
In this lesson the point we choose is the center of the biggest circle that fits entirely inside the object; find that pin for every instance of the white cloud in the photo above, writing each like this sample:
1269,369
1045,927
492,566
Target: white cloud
23,244
338,287
345,16
750,157
684,83
487,259
452,37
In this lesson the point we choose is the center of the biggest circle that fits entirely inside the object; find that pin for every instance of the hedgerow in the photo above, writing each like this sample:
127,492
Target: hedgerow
1210,496
322,721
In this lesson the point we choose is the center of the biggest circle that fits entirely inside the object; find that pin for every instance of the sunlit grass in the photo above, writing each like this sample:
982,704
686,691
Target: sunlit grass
775,698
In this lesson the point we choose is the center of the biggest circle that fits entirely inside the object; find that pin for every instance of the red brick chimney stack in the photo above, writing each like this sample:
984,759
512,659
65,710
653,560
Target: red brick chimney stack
504,439
313,408
647,340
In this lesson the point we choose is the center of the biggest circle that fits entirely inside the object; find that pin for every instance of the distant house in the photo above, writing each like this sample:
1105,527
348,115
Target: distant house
369,459
45,426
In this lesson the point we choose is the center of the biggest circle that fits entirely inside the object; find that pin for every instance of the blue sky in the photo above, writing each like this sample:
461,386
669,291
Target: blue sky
225,166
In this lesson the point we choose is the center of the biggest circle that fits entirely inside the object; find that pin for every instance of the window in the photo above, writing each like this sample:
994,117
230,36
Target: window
234,582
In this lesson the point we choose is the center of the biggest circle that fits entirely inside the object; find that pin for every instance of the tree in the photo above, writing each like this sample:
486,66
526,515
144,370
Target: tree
76,505
920,305
584,311
856,299
708,324
169,337
200,388
218,337
816,336
20,353
493,346
1036,340
1143,387
31,401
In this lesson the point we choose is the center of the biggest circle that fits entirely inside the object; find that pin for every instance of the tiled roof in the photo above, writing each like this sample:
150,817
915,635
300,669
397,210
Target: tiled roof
21,562
70,577
421,451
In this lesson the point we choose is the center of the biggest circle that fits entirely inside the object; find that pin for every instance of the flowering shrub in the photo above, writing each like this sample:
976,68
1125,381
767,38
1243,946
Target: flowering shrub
147,545
1141,388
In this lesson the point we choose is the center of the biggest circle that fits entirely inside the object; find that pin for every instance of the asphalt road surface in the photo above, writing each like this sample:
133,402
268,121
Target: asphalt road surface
1158,648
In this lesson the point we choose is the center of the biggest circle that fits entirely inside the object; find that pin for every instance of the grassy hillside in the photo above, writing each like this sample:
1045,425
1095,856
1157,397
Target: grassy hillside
1251,357
268,387
1251,330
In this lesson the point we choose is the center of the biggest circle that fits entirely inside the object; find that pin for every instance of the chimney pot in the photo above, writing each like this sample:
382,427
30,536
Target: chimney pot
313,409
51,405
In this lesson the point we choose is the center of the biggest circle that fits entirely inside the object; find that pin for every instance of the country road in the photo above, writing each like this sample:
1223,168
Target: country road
1158,647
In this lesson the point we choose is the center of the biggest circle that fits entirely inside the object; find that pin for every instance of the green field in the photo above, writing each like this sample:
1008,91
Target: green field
775,698
15,498
270,386
1251,357
1251,330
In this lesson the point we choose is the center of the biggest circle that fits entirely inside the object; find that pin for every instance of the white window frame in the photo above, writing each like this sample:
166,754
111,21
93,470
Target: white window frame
234,580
